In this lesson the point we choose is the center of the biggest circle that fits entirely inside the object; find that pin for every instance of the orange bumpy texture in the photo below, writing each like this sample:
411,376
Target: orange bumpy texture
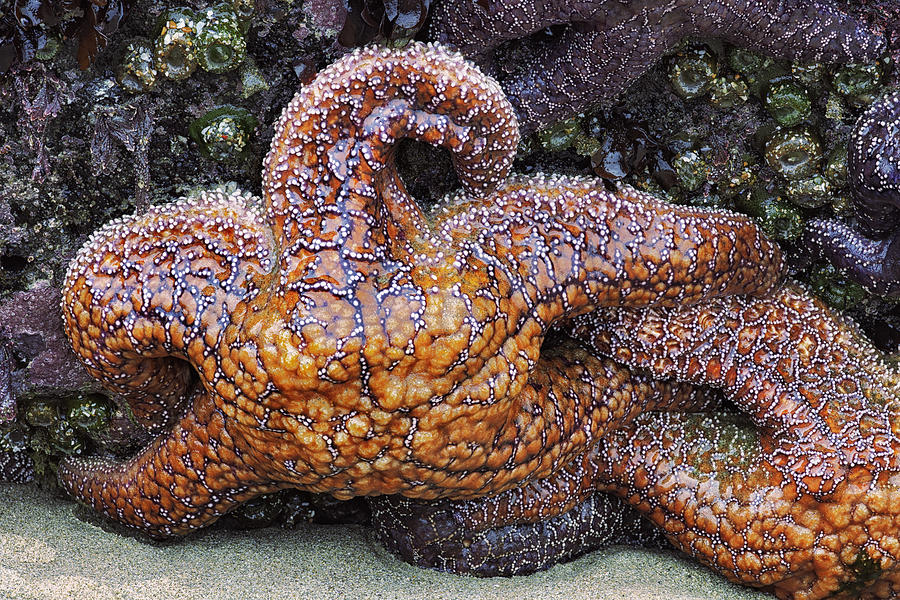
335,338
800,495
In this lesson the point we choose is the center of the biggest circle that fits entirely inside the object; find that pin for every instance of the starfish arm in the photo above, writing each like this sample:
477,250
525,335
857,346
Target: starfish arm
809,31
873,263
708,481
185,479
873,165
150,290
476,27
803,374
806,30
443,535
576,70
870,256
564,246
610,44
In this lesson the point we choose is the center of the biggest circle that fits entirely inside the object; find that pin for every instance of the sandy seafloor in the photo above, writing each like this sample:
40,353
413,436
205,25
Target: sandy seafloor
47,552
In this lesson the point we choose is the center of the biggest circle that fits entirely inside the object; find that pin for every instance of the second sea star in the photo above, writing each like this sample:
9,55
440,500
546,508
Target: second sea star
607,44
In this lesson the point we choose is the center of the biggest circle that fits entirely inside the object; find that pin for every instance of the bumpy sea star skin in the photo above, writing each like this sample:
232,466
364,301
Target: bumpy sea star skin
802,375
707,480
741,500
871,256
16,467
359,347
443,535
744,506
721,486
551,520
611,43
873,163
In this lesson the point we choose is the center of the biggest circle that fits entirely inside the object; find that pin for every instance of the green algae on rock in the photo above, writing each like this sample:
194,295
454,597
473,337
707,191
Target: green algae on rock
691,169
137,72
16,464
756,69
811,192
777,217
859,84
788,102
51,428
728,92
829,284
560,135
693,71
212,38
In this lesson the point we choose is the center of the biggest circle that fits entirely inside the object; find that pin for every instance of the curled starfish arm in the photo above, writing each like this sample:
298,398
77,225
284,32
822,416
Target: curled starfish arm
332,153
185,479
150,290
804,375
708,481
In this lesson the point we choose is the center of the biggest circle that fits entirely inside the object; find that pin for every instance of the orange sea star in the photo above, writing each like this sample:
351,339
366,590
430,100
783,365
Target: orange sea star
340,340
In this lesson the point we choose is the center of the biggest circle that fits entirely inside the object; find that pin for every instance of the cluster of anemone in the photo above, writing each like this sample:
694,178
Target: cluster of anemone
795,168
213,39
793,148
807,172
810,173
